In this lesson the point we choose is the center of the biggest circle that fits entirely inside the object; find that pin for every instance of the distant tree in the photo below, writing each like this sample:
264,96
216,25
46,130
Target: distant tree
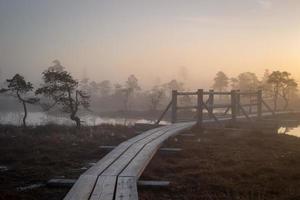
132,83
84,85
156,94
19,88
248,81
63,90
56,67
265,85
173,85
118,89
94,88
234,83
221,81
282,85
105,88
131,86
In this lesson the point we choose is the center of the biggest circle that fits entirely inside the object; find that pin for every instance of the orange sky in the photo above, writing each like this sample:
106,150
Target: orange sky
155,40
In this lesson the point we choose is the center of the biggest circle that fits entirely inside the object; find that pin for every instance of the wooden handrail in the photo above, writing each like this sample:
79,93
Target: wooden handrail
186,93
163,113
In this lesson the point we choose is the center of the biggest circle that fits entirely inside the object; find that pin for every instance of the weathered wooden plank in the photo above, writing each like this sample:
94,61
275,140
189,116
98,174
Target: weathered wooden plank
84,186
125,158
161,149
117,165
169,149
126,189
59,182
68,183
101,165
186,93
141,160
153,184
82,189
104,188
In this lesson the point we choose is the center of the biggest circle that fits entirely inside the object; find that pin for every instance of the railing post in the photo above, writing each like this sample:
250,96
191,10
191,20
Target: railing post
174,106
211,101
259,104
233,105
199,107
238,101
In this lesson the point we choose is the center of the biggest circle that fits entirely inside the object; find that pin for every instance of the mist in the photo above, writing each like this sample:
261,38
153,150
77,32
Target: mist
152,40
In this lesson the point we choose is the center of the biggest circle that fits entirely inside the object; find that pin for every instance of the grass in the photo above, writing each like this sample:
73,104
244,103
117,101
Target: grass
37,154
226,165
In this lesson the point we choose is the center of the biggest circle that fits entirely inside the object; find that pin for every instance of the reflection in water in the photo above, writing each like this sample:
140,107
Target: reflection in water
40,118
295,131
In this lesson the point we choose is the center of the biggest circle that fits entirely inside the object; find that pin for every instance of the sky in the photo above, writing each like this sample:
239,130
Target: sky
157,40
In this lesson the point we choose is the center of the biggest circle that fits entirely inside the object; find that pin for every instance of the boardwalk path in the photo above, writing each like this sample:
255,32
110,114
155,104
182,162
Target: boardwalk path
115,176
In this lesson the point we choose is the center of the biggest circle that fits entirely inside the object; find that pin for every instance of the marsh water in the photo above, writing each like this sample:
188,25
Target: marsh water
41,118
294,131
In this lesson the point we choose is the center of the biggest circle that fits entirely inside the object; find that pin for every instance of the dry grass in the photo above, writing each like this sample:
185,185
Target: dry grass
220,165
37,154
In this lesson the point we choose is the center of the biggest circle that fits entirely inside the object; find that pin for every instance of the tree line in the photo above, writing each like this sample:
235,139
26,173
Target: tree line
59,89
276,85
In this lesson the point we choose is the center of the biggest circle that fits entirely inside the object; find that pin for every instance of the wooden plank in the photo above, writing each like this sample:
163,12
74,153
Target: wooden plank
104,188
82,189
68,183
138,164
217,93
84,186
210,102
174,107
199,107
186,93
126,189
58,182
233,105
124,159
153,184
161,149
168,149
105,162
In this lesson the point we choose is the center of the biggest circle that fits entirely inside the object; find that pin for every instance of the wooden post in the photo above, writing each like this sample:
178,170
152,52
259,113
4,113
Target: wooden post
199,107
233,105
174,106
211,101
238,101
259,104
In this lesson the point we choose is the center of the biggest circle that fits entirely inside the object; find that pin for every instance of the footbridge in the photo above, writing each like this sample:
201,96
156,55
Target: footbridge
115,176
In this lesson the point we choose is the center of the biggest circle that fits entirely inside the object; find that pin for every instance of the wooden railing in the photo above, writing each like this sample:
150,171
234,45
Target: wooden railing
205,100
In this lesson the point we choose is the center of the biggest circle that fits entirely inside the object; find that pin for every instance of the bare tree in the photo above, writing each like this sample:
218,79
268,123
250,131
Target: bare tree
63,90
19,88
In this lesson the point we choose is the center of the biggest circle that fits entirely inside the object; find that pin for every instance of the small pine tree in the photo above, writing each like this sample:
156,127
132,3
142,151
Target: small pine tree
19,88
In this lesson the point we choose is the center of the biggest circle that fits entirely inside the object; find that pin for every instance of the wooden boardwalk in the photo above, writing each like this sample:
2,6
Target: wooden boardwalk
115,176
